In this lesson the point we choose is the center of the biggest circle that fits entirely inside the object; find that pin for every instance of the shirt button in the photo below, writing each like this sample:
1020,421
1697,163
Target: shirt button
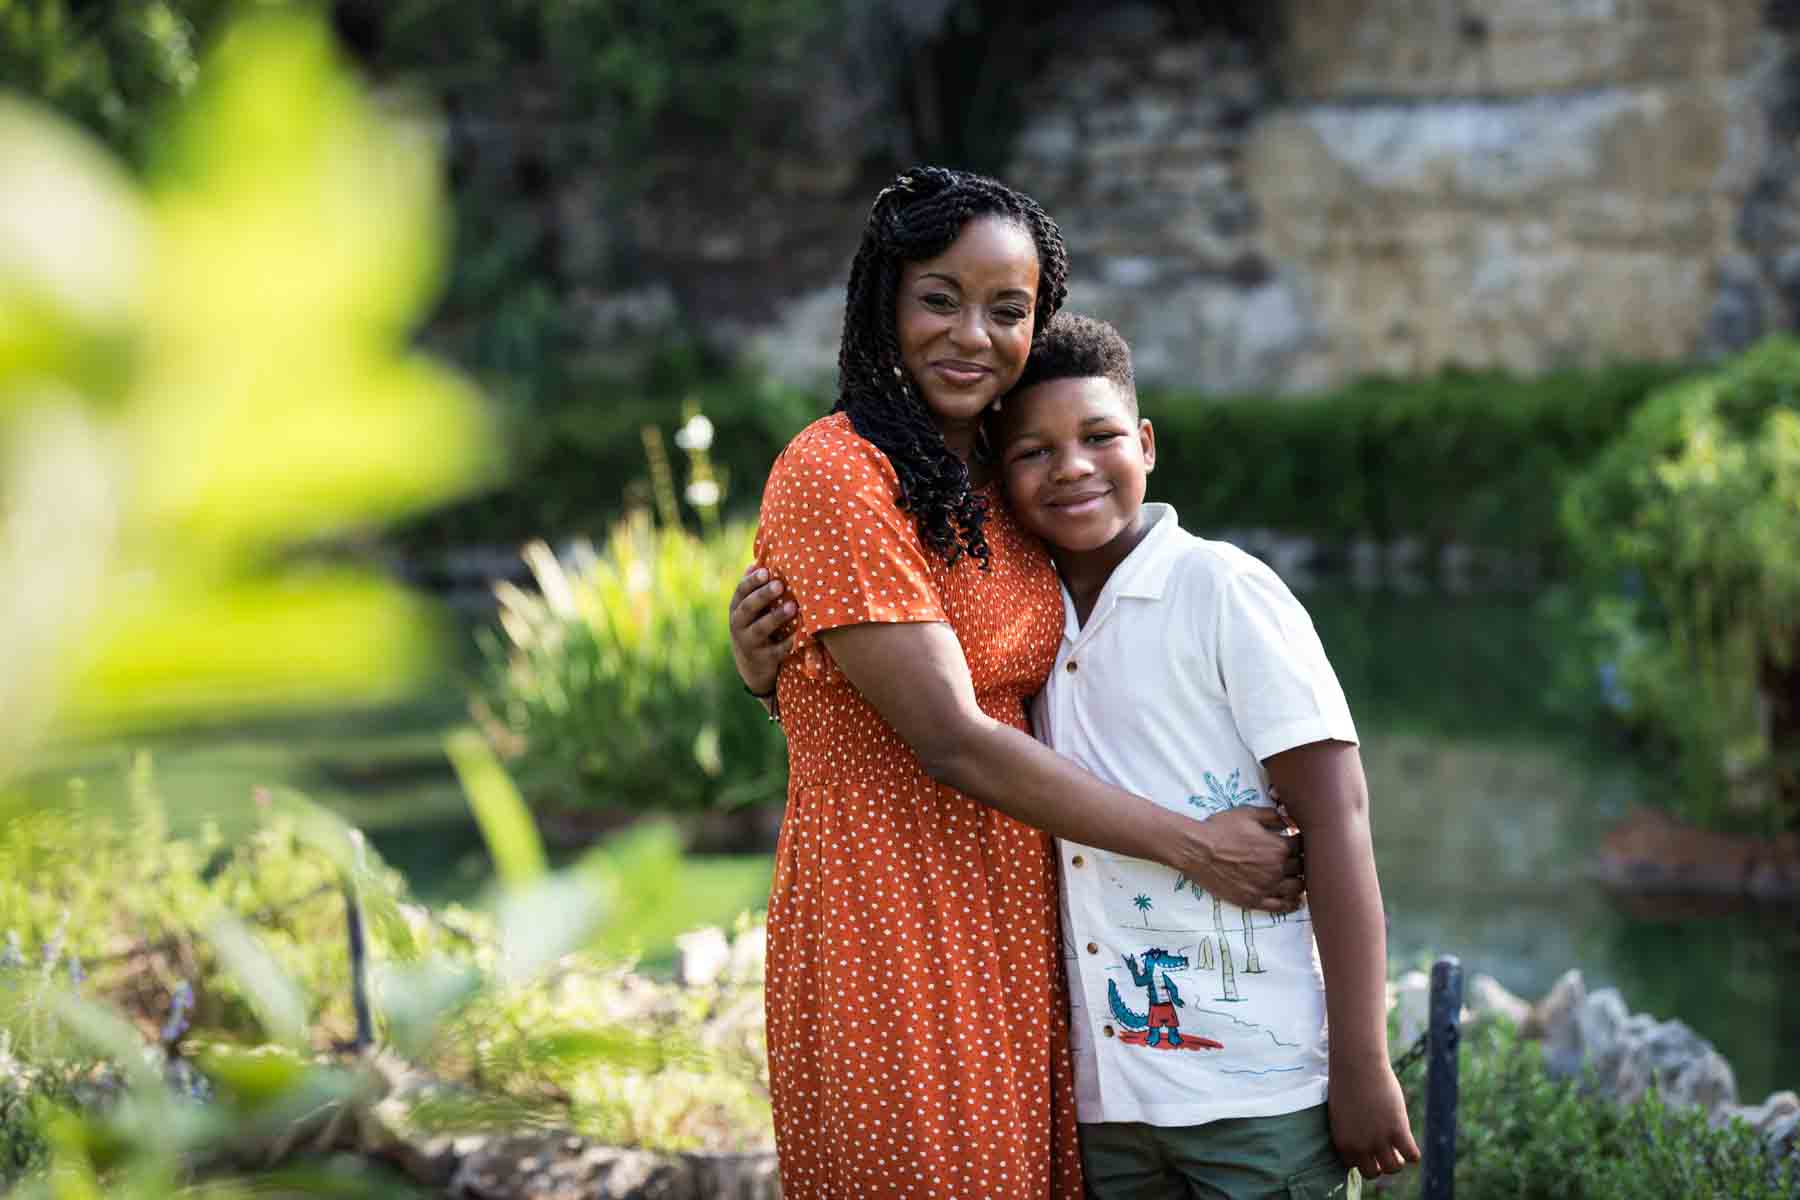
1076,861
1071,667
1093,949
1107,1030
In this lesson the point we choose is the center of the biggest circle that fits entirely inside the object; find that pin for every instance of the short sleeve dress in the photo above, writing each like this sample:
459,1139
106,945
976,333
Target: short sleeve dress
917,1024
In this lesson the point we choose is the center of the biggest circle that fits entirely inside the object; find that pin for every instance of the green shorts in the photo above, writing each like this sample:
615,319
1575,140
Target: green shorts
1289,1157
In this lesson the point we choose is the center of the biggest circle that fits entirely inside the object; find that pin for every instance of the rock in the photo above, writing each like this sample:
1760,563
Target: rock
1487,997
564,1166
1686,1069
1622,1054
701,956
1651,851
1411,1003
1771,1114
1555,1019
561,1166
1782,1135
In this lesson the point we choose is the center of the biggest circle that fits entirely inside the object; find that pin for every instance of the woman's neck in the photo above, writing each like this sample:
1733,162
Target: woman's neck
960,437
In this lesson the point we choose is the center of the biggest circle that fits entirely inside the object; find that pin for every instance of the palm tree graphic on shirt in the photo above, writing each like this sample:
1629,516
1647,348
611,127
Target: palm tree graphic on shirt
1221,796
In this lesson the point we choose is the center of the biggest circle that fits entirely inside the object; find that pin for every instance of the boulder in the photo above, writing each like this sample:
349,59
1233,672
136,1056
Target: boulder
1487,997
1410,1000
1622,1054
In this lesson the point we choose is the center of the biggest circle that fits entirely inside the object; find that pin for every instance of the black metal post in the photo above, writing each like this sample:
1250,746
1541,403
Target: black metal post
1443,1036
359,952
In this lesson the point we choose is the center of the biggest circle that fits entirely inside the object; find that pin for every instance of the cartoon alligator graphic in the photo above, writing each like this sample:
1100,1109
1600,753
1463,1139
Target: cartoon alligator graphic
1160,1027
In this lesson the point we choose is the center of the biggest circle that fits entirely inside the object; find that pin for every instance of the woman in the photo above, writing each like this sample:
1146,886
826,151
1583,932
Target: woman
916,1026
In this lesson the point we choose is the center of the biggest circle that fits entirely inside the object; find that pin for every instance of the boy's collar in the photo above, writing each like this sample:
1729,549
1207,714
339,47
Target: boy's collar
1145,571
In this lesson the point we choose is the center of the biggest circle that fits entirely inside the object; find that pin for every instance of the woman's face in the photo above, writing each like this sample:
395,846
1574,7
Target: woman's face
964,319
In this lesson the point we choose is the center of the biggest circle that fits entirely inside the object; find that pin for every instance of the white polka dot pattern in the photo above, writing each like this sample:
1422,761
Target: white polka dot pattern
917,1024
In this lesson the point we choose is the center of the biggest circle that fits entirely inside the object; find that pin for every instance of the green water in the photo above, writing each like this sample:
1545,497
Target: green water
1488,809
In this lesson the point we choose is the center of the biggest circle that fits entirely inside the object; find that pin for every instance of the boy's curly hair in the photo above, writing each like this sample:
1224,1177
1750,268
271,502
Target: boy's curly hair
1072,346
917,217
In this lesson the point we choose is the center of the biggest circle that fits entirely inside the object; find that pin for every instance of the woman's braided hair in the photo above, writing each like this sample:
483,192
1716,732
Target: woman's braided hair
917,217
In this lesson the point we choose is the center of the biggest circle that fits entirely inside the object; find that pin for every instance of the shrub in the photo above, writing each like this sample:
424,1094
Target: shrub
613,685
1522,1135
1690,521
1479,457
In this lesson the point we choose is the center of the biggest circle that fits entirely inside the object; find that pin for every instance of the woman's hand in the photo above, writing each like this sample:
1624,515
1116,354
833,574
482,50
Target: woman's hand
1244,856
760,639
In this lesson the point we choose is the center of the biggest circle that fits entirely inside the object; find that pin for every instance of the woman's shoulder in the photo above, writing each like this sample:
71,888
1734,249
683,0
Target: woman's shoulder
832,444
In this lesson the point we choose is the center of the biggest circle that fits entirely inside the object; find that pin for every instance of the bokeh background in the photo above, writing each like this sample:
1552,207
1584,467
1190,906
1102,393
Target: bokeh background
375,375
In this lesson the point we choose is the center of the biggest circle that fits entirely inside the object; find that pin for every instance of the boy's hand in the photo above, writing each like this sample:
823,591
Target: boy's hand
759,612
1368,1119
1249,860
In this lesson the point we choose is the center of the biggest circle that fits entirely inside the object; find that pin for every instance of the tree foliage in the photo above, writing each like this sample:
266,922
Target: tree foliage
1691,518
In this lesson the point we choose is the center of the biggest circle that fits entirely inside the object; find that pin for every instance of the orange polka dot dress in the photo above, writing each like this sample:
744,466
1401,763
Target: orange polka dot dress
917,1025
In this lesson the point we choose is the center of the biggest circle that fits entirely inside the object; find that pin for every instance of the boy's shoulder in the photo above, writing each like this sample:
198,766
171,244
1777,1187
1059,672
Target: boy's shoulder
1204,566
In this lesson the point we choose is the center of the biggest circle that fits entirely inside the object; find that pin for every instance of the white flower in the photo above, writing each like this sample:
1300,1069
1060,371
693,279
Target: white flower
703,493
697,434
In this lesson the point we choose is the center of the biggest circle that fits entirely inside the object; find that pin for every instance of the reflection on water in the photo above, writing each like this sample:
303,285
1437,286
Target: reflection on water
1487,812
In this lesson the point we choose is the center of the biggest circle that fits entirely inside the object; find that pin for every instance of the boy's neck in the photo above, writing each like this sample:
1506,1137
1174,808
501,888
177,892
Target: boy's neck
1085,572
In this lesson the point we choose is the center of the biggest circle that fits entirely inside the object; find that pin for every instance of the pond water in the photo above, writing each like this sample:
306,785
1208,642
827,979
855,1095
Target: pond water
1488,810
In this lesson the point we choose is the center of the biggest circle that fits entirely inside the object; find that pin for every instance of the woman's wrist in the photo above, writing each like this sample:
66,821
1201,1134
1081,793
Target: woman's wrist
1179,842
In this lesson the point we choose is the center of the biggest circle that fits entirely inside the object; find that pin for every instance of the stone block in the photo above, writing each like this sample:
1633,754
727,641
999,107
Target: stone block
1353,49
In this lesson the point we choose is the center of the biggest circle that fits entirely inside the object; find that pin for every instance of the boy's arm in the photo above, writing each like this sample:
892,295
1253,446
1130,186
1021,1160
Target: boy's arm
1322,786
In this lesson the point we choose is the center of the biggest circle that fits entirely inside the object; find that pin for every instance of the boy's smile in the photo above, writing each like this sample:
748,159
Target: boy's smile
1075,456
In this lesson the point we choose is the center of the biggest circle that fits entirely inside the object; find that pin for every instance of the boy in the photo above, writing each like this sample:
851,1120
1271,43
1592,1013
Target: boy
1189,674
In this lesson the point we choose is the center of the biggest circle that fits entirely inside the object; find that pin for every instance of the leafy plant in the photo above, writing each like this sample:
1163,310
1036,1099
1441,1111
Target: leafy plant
613,683
1522,1135
1697,506
1476,457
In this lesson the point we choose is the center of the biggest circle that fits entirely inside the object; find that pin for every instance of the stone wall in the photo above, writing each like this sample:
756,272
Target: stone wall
1379,186
1418,183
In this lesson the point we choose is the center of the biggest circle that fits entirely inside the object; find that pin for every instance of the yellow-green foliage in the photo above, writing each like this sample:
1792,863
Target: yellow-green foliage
613,683
630,1062
129,906
1696,507
198,373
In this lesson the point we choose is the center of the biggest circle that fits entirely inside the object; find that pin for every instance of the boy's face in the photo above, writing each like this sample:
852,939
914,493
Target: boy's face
1075,457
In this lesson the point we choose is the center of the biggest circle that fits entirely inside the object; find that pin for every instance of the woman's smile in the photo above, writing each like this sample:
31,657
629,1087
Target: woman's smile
958,373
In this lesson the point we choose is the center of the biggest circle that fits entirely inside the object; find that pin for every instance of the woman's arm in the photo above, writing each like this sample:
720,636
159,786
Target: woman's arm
914,675
1323,787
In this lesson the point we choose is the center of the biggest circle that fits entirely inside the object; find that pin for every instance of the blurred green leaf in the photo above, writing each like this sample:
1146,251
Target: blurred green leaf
110,1035
641,876
545,920
416,998
505,822
273,995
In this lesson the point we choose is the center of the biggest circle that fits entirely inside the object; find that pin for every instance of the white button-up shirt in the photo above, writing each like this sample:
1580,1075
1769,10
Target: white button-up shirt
1195,665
